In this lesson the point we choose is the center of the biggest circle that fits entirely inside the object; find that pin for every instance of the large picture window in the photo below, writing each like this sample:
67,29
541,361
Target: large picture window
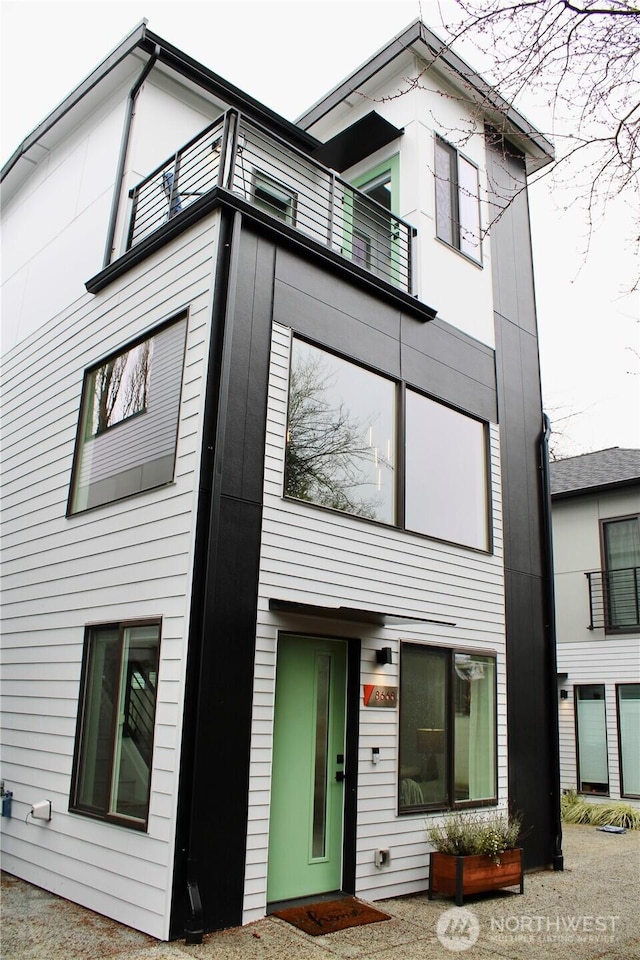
446,473
129,420
342,447
114,738
340,435
447,729
457,201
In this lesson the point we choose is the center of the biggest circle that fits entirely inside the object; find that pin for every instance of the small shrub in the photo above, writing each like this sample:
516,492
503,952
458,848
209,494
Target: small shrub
468,834
576,809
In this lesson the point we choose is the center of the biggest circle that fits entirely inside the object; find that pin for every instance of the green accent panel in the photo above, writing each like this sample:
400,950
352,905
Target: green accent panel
391,166
294,871
367,240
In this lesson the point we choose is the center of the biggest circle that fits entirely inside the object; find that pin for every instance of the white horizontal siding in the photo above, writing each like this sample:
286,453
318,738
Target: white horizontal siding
605,660
131,559
311,555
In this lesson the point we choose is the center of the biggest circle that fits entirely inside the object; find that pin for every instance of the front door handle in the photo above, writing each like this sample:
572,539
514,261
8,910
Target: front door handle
340,776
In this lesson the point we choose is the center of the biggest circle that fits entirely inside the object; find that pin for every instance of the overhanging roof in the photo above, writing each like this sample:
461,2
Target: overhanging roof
424,43
351,614
356,142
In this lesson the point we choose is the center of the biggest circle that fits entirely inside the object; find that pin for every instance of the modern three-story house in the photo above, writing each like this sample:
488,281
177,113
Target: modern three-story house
276,587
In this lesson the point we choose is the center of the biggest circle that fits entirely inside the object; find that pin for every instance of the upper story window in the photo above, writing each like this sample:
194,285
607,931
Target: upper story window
447,484
116,719
621,556
128,425
342,451
340,435
457,201
447,729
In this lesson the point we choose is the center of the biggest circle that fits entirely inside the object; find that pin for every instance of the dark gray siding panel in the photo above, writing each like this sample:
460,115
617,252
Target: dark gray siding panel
512,263
434,356
531,700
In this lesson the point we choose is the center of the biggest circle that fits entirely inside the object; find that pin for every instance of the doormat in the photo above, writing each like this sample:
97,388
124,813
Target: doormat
318,918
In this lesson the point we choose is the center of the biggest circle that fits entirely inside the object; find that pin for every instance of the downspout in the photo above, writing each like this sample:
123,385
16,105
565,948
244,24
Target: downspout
554,745
124,148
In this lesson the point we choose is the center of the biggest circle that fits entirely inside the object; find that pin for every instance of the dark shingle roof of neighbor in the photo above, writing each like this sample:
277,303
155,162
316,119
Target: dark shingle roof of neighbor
616,466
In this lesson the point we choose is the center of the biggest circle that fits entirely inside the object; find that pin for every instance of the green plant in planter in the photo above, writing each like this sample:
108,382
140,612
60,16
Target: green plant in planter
469,834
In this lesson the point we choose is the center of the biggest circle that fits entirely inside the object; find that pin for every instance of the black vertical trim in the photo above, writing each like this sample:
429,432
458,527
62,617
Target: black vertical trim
351,767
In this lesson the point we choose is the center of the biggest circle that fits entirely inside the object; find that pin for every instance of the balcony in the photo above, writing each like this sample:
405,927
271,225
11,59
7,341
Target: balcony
237,155
614,599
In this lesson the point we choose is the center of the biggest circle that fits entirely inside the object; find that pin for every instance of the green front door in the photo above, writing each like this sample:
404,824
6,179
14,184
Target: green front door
307,787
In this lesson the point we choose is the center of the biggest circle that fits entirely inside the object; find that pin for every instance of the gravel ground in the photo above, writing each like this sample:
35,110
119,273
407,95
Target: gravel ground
590,910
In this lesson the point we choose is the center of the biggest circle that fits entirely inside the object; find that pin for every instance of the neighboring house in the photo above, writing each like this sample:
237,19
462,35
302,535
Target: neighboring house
596,547
275,582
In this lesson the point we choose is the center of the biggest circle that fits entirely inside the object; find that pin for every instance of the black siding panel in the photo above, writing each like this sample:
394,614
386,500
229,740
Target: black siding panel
214,777
531,697
433,357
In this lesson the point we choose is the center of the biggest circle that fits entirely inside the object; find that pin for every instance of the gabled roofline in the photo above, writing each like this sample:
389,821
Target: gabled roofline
421,40
149,43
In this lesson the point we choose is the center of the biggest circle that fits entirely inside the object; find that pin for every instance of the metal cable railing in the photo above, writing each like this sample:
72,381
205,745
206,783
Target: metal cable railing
240,155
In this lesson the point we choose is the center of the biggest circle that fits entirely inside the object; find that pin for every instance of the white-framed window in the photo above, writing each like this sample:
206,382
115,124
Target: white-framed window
127,432
116,720
447,743
457,201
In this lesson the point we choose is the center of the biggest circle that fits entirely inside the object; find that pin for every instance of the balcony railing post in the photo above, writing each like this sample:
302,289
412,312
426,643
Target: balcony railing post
332,200
412,233
134,195
229,149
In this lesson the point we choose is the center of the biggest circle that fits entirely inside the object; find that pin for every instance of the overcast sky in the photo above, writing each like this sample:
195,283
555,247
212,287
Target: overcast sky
287,54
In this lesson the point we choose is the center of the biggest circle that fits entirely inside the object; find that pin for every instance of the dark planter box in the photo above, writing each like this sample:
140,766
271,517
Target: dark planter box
462,876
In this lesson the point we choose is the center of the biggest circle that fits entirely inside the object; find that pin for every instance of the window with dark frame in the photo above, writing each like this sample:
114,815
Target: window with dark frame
591,739
127,432
621,572
457,201
342,448
116,720
447,745
628,706
275,198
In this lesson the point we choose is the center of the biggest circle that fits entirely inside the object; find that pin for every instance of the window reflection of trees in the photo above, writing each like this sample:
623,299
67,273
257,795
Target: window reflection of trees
120,388
332,459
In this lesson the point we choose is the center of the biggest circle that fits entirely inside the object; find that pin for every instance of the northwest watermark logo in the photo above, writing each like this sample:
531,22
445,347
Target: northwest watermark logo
458,929
553,929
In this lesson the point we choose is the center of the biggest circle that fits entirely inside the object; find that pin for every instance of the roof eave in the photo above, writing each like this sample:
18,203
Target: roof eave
145,41
419,38
132,41
596,488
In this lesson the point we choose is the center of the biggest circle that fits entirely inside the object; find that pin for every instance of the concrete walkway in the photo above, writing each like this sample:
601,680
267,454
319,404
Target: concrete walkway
591,910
